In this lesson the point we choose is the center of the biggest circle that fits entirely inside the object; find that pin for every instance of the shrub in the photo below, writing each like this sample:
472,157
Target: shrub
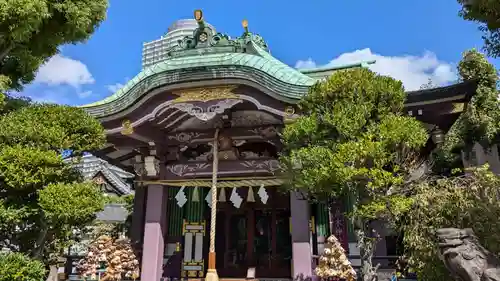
19,267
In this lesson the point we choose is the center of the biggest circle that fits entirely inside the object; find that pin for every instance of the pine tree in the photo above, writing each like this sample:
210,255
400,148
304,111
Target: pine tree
333,263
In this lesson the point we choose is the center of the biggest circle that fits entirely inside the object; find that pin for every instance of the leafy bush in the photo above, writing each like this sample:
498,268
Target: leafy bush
19,267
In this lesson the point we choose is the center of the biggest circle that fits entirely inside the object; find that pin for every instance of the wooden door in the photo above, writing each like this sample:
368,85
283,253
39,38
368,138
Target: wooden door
254,235
232,243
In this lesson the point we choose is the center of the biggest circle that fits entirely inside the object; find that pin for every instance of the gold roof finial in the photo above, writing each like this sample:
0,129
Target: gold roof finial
198,15
244,23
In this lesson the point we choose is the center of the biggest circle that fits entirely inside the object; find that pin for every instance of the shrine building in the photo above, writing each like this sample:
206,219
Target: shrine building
202,94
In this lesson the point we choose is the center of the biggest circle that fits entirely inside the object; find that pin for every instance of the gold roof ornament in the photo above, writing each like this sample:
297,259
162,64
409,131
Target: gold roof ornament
127,128
205,94
289,110
289,116
198,15
244,23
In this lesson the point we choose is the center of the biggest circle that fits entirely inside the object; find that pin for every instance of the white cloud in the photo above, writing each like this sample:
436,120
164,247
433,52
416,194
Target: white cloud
305,64
413,71
115,87
61,70
84,94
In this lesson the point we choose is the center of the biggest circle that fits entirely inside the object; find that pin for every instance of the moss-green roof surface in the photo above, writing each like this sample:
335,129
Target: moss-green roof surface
267,64
206,56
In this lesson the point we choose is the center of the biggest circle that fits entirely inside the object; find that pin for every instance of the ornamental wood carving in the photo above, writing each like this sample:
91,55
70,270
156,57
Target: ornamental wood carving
206,110
226,168
205,94
127,128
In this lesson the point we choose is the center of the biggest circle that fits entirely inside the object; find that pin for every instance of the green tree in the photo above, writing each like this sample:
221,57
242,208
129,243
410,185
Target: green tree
486,13
481,121
11,103
448,199
352,138
466,201
32,30
19,267
42,198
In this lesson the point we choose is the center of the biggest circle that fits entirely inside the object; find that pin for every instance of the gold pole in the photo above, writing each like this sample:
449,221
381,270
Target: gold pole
212,271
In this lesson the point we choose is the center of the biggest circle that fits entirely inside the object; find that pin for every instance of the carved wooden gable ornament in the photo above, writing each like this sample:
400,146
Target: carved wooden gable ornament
206,103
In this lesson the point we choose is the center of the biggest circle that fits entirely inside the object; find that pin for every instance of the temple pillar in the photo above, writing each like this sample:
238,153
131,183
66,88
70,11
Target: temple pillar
137,224
154,230
301,247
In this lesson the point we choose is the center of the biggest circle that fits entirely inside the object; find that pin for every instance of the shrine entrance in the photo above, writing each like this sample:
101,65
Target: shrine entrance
255,235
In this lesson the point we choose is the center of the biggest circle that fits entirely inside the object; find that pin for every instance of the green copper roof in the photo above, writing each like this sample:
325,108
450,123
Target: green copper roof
265,63
206,56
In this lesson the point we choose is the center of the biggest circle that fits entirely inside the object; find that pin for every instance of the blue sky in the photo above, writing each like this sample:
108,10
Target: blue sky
411,40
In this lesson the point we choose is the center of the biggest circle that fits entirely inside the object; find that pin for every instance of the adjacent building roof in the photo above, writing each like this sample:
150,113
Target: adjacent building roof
117,179
113,213
116,182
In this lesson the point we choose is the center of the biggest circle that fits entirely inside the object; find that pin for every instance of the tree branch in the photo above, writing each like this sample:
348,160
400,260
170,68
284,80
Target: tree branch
40,241
6,51
366,245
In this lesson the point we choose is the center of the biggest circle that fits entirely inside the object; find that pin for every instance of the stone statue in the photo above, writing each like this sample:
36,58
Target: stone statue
465,258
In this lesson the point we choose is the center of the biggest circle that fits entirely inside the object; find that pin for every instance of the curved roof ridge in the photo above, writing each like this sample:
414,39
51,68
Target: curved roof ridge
337,67
262,61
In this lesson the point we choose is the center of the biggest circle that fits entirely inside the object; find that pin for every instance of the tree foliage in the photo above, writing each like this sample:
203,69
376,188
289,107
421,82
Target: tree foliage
486,13
459,200
32,30
42,198
466,201
19,267
52,127
481,121
352,138
11,103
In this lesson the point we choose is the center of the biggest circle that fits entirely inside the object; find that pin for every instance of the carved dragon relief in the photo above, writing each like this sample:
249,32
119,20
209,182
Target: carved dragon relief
233,150
257,156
